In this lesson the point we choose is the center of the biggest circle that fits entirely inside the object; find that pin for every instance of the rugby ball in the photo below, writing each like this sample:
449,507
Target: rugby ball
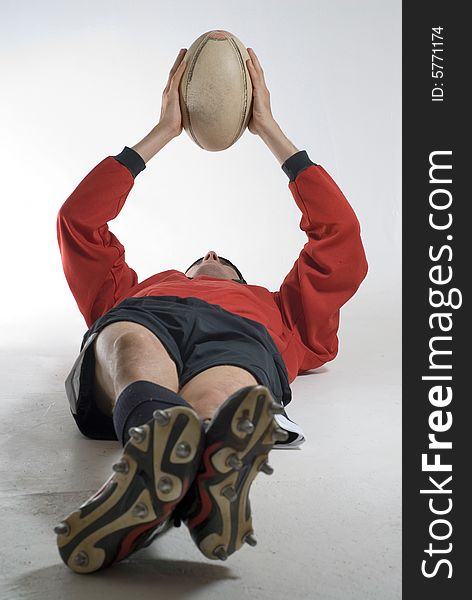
216,91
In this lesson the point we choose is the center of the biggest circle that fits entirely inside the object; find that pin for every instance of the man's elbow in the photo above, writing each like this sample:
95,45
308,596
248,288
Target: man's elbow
355,270
360,265
358,271
362,268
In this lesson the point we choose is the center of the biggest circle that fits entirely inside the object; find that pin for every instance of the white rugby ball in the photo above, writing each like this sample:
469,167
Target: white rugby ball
216,90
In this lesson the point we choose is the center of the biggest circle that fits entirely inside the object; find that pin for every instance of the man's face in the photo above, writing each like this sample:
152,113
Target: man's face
212,266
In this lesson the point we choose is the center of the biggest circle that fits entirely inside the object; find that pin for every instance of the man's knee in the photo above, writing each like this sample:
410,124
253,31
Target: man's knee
126,351
210,388
125,335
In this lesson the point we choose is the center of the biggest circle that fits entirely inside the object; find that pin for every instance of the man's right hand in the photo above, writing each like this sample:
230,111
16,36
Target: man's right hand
171,116
261,119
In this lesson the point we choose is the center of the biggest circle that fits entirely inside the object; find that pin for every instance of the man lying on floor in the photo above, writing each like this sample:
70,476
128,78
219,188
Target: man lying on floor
191,371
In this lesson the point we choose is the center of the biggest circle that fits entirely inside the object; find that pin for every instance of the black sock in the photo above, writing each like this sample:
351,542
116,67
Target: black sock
137,403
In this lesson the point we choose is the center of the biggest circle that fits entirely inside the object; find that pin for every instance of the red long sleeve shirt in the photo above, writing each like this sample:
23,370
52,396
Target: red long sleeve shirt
302,317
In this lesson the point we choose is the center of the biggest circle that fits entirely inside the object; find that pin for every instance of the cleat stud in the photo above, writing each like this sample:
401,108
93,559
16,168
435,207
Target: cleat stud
183,450
276,409
62,529
250,539
234,462
246,426
121,466
266,468
261,397
229,492
138,434
220,552
280,435
81,559
161,416
140,510
165,485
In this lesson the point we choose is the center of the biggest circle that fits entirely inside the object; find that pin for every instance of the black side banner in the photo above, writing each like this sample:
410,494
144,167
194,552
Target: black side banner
436,327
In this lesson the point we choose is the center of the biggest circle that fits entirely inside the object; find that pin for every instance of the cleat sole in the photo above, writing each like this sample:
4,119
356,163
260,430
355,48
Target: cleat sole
129,507
214,522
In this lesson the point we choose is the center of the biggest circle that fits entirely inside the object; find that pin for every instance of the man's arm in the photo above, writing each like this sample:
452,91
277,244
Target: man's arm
278,143
154,141
92,256
332,264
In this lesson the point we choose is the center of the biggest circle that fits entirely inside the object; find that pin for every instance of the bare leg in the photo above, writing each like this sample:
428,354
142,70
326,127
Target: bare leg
210,388
126,352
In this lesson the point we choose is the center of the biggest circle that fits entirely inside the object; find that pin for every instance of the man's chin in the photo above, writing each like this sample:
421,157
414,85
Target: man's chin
210,271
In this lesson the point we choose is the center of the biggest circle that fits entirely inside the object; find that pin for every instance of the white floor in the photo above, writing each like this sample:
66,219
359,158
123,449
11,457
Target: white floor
328,521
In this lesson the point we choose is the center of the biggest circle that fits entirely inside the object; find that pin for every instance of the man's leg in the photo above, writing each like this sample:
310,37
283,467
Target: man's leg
126,352
136,383
207,390
238,438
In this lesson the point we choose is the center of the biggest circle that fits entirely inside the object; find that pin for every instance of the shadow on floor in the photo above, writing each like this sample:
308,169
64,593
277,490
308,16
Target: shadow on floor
139,576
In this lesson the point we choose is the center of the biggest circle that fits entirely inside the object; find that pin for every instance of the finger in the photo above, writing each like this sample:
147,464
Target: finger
178,60
256,77
176,64
255,60
252,71
173,85
178,75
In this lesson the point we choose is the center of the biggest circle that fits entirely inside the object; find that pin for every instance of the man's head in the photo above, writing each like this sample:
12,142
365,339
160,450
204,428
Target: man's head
214,266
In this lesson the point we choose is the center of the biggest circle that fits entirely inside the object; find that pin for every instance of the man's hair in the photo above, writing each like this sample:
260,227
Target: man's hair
225,261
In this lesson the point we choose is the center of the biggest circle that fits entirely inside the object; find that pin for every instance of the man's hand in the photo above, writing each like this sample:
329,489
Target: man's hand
171,116
170,122
262,118
262,123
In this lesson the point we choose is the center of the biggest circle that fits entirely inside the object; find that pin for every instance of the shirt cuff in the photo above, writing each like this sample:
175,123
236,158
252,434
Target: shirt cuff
297,163
132,160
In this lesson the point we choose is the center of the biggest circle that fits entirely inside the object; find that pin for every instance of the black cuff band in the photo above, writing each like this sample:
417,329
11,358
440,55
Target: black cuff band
297,163
132,160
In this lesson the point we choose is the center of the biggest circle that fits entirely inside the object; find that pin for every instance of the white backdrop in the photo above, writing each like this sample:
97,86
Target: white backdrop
79,81
82,80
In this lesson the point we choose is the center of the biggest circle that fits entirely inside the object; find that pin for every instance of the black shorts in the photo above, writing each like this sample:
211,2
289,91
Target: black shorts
197,336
